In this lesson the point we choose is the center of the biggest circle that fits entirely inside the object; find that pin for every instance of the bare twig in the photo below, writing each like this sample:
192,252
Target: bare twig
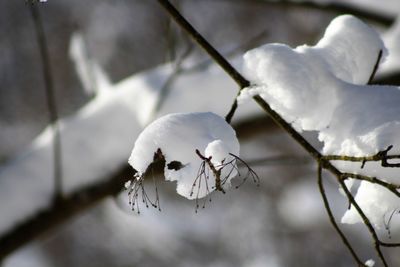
378,60
229,69
216,171
50,97
332,217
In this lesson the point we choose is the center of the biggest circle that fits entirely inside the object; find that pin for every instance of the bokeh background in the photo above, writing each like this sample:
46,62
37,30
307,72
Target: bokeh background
280,223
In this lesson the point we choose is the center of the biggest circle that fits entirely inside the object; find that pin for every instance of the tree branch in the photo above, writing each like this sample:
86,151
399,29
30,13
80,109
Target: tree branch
242,83
378,60
62,210
59,212
332,217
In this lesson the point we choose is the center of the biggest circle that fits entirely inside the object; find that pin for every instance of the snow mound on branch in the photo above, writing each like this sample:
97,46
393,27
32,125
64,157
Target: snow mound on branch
323,88
178,136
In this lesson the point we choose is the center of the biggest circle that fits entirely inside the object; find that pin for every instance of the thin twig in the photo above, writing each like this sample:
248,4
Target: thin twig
51,100
380,156
366,221
378,60
204,44
332,217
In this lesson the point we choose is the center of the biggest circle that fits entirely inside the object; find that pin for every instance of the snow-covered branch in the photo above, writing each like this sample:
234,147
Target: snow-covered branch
329,77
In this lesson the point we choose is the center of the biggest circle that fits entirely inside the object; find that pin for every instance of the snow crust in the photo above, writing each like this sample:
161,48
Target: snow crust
323,88
178,136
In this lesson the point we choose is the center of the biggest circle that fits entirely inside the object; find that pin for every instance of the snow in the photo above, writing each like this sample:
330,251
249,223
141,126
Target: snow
92,77
370,263
178,136
88,139
322,88
97,139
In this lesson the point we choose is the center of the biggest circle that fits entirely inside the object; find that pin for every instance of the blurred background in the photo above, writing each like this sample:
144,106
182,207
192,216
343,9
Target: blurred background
116,66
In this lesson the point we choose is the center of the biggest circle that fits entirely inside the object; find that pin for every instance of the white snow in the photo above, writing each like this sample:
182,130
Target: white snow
178,136
322,88
97,139
370,263
92,77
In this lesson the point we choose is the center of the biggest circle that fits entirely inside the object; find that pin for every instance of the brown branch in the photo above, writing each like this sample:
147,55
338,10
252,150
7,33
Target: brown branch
60,211
217,173
381,156
332,217
50,98
211,51
235,75
378,60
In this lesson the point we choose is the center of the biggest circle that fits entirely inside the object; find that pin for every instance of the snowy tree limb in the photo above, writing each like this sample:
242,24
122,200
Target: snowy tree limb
61,210
243,83
82,199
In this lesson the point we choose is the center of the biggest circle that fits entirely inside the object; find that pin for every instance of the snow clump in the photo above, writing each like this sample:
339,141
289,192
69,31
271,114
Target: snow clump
178,136
324,88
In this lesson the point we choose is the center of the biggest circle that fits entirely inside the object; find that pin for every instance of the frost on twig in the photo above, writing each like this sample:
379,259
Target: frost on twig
198,151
